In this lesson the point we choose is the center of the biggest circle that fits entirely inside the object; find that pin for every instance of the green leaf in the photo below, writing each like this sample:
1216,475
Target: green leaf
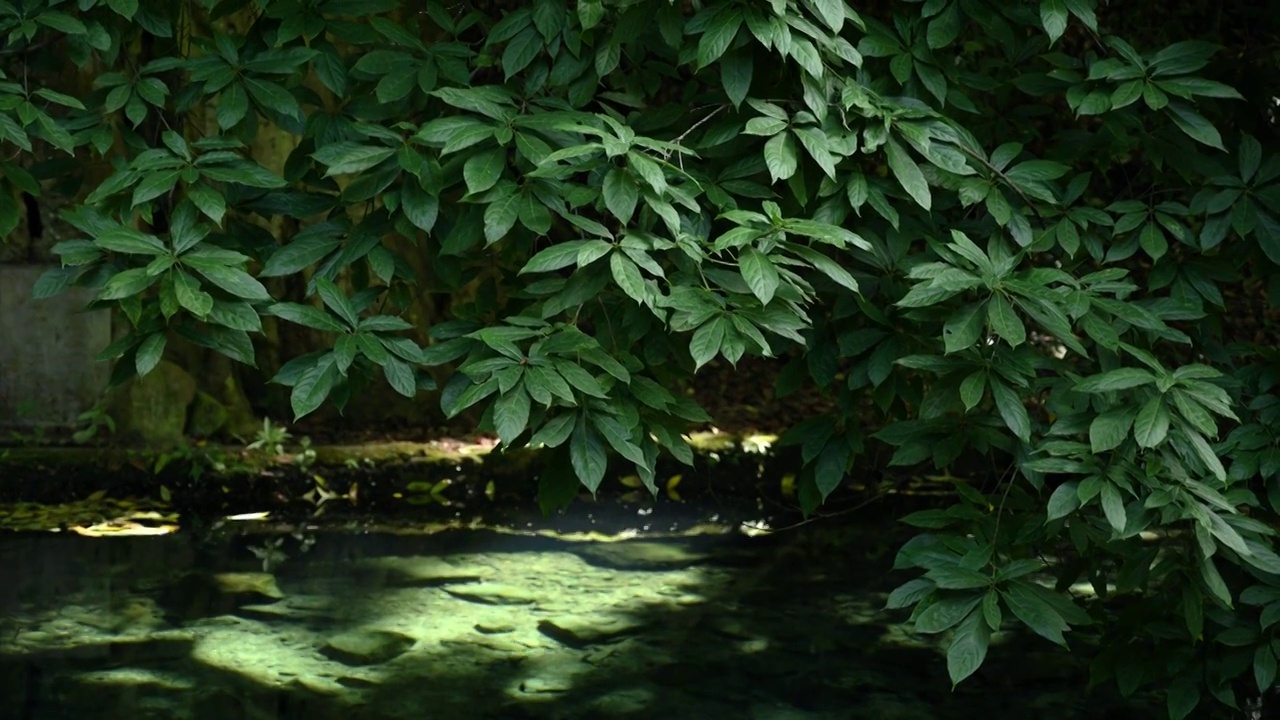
500,217
154,185
1037,171
558,256
1151,426
619,438
972,389
209,201
719,36
826,266
908,174
371,348
620,195
190,296
314,386
1108,430
348,158
1183,697
1250,157
124,8
829,468
128,240
627,275
946,613
1004,321
587,454
1118,379
735,75
1053,16
765,126
964,328
759,272
583,381
780,156
1226,534
831,12
250,174
945,28
590,13
237,282
521,50
1034,612
338,302
235,315
272,97
1213,580
149,353
421,207
909,593
968,648
1195,125
1206,454
468,397
1064,501
298,255
1113,507
483,170
954,577
1012,410
1194,412
1264,668
553,432
307,316
62,22
706,341
511,414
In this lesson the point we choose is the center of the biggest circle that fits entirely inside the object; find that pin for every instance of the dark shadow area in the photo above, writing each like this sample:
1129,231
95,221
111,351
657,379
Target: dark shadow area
479,625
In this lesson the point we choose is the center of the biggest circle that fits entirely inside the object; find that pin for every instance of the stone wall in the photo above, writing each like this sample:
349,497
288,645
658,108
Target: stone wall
48,371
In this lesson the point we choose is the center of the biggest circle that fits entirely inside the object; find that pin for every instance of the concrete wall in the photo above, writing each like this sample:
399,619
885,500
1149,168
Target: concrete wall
48,374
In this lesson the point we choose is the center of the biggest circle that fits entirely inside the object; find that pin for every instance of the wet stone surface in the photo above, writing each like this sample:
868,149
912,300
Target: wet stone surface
555,631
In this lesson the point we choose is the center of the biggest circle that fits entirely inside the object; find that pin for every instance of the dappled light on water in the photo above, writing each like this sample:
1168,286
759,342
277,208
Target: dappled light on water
466,624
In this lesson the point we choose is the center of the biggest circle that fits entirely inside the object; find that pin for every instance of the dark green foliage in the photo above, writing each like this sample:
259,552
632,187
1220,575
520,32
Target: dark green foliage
1005,227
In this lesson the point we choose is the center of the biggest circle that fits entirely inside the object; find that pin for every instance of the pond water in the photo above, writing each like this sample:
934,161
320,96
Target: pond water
471,625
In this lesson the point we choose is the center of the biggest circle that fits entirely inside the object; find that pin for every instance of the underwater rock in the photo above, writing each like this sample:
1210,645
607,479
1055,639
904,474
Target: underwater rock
199,595
249,583
367,647
492,594
641,555
584,630
429,571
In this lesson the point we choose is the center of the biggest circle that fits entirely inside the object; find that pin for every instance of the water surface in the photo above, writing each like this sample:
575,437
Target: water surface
474,625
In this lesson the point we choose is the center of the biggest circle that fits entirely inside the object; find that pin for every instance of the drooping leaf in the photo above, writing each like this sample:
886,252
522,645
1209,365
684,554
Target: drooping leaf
968,648
760,274
908,174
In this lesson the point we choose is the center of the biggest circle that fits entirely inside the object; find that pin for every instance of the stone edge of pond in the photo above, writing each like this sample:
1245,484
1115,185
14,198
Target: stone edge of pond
447,476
